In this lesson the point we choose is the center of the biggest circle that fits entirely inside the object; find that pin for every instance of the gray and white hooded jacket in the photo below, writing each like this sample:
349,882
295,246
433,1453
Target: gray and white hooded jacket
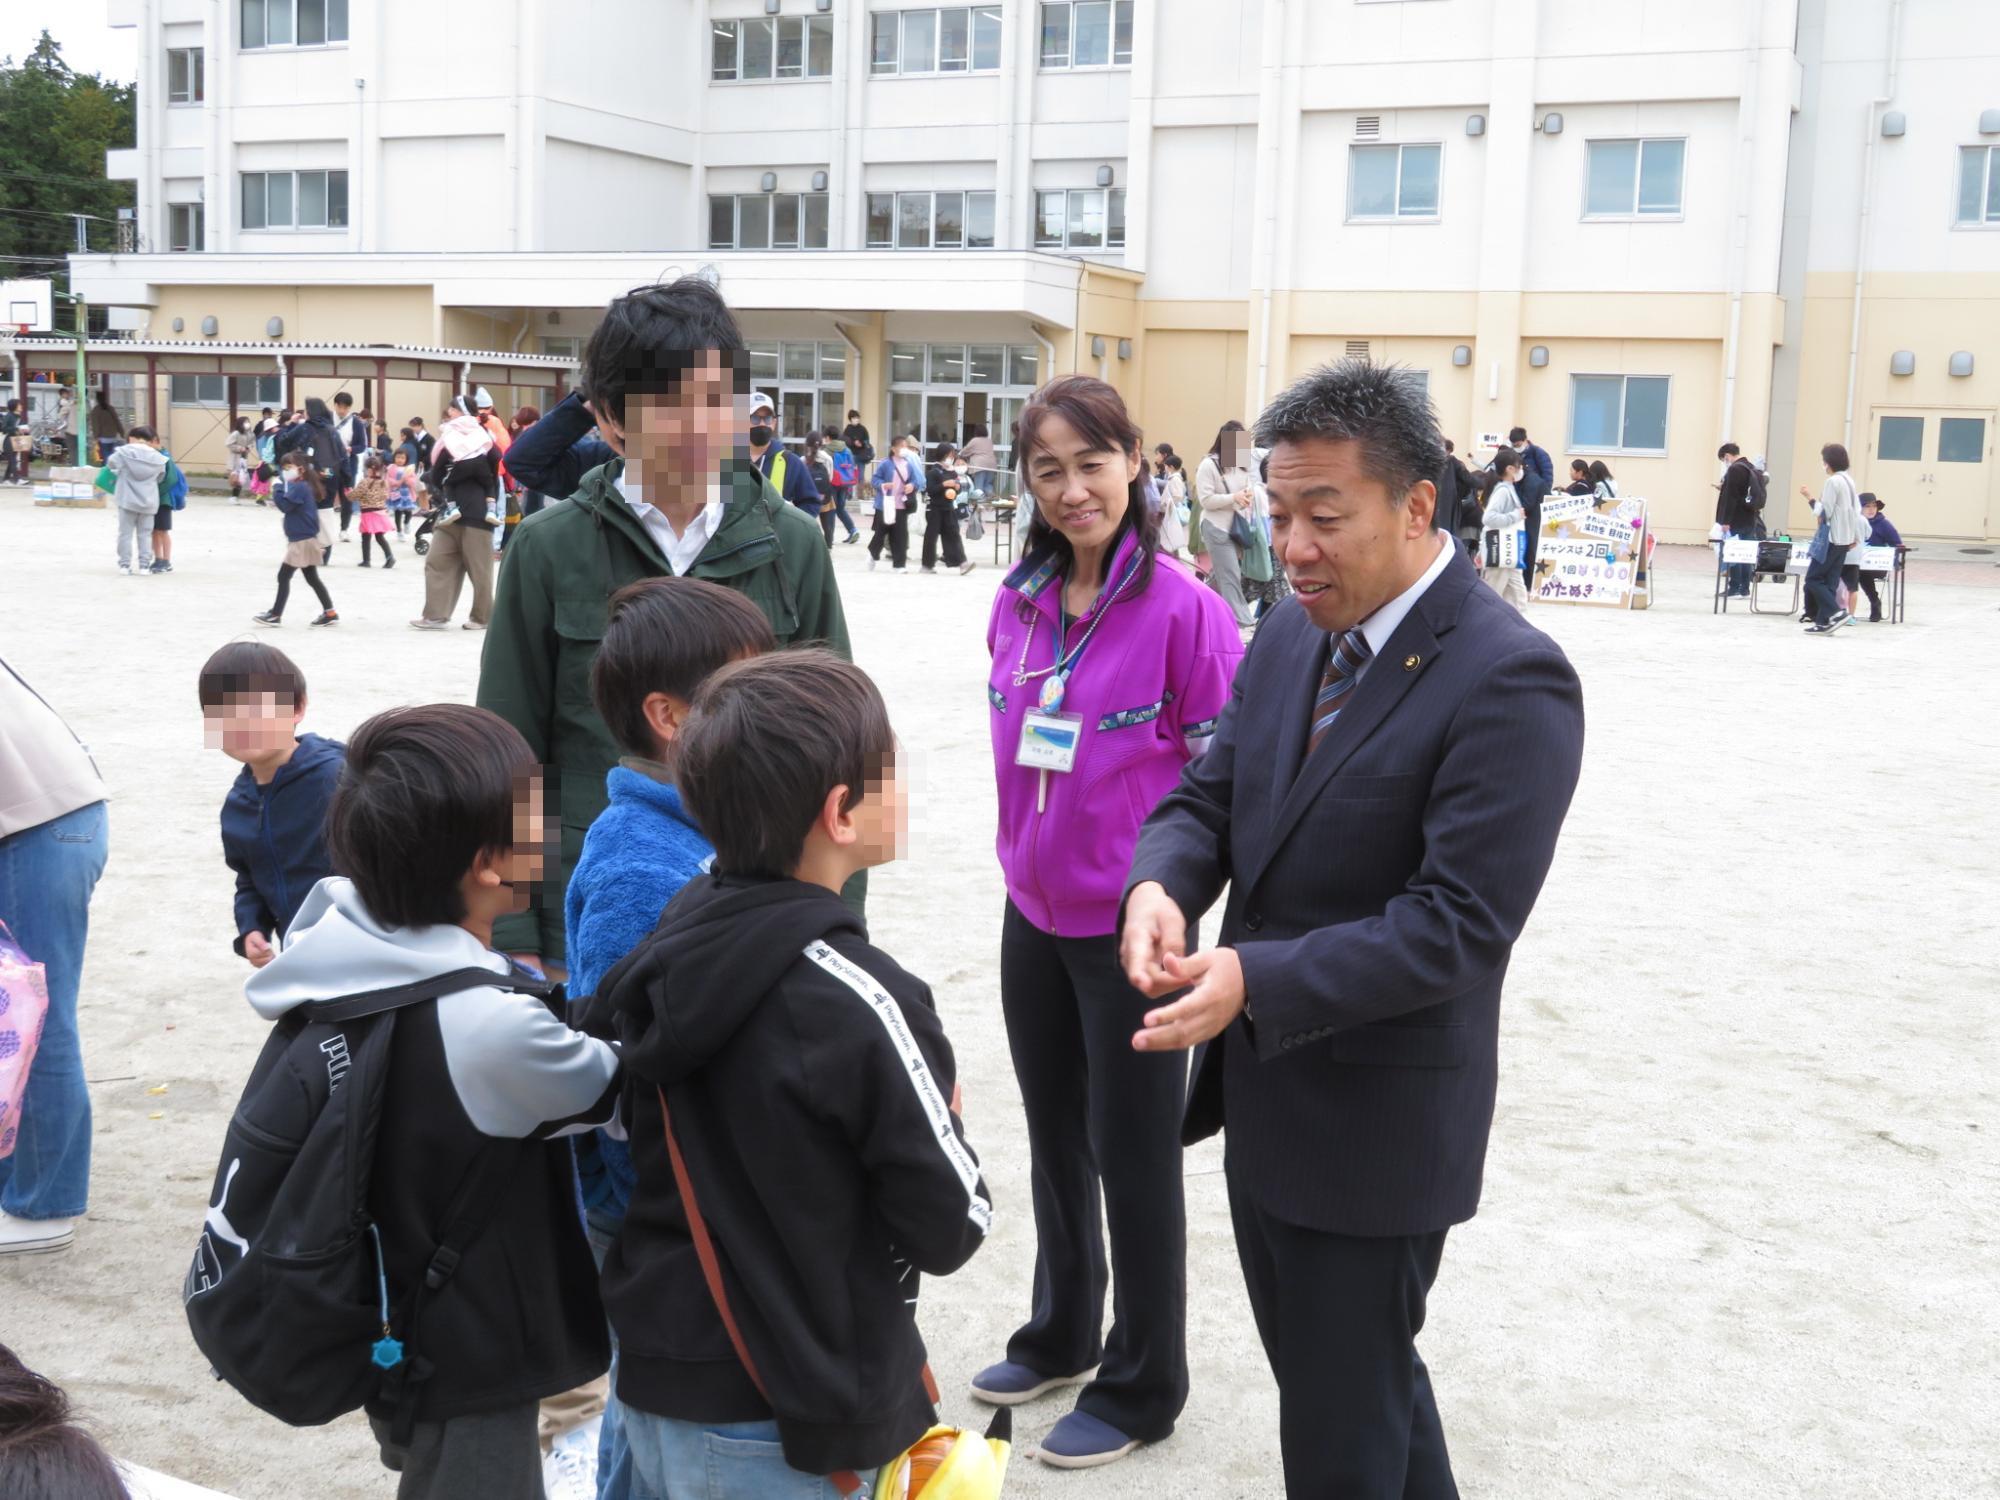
482,1069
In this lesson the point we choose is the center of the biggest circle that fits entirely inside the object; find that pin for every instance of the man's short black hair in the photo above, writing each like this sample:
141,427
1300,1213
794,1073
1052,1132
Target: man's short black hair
1729,450
651,335
341,398
1517,436
424,793
769,738
243,667
668,635
1377,406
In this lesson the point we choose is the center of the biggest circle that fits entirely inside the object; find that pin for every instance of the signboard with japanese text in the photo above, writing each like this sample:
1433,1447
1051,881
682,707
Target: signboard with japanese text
1589,551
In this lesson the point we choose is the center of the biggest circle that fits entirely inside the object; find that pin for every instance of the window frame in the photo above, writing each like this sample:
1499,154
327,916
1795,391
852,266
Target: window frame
803,220
194,84
1882,422
1989,191
1636,214
1624,382
1070,216
892,26
1119,19
808,27
1396,215
295,200
967,199
196,213
329,10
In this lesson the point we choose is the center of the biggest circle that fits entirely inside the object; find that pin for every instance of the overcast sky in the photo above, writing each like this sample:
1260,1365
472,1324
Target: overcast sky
88,44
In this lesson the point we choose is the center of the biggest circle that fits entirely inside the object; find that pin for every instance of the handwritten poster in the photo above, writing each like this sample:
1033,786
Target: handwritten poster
1589,550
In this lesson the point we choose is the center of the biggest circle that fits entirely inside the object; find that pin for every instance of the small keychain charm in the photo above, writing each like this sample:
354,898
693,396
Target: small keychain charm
1052,693
388,1352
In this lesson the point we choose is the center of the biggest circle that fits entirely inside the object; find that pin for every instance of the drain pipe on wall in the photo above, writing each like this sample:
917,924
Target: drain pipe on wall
1270,116
1875,105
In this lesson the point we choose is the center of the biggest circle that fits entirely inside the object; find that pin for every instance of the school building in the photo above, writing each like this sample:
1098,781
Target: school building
1636,229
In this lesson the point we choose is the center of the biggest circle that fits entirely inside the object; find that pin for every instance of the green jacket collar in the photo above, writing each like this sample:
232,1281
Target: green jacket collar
746,539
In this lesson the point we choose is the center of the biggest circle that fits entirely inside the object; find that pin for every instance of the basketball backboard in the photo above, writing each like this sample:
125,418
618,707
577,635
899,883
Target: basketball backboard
27,306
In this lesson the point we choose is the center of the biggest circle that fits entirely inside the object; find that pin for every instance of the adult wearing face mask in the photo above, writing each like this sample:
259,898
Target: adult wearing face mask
789,474
944,481
899,485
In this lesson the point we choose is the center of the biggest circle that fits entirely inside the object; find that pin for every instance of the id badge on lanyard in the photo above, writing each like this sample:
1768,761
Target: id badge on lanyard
1049,741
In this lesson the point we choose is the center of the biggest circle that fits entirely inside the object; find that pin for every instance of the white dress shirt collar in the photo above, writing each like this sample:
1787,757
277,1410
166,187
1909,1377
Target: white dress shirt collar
680,549
1378,627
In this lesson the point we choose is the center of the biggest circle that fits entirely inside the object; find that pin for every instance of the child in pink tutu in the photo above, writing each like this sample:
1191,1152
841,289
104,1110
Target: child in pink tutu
371,495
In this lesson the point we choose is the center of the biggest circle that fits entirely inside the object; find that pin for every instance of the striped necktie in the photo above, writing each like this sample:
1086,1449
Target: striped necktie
1349,655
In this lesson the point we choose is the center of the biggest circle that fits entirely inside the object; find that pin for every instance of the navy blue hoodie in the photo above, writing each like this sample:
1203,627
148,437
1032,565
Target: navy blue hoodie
274,836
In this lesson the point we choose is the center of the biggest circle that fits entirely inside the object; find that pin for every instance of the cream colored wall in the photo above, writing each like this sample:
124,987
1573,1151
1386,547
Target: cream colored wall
1932,316
1192,382
343,314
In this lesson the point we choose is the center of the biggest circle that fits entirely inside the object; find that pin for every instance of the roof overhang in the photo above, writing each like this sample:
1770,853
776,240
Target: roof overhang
115,356
1036,286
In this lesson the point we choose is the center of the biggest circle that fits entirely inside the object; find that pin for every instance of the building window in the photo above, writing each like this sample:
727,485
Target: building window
1393,182
568,346
1087,33
1080,219
184,226
807,382
294,200
937,391
184,75
1633,179
1902,439
1618,413
1961,440
213,390
767,221
766,47
293,23
955,39
929,221
1978,185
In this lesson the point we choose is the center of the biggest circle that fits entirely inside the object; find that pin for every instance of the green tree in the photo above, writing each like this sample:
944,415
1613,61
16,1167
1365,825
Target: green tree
55,126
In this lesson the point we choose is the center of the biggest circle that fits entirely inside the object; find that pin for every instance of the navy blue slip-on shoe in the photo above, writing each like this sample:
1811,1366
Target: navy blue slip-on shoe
1009,1384
1081,1441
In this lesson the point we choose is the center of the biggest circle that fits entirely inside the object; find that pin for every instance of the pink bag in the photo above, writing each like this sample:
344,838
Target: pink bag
24,1009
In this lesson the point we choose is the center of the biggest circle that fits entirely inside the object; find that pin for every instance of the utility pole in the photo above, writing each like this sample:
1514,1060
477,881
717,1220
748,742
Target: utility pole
82,235
81,413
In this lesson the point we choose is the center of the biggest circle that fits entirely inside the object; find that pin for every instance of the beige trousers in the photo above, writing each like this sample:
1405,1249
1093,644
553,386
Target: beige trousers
457,553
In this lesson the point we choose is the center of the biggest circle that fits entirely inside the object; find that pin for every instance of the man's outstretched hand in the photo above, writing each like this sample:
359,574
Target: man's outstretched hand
1205,1011
1154,930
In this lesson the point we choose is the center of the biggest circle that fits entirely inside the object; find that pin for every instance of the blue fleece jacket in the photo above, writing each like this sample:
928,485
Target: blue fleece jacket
638,854
274,836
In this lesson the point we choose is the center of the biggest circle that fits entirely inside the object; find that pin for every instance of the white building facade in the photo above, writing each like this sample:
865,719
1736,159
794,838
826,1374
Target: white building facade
1636,229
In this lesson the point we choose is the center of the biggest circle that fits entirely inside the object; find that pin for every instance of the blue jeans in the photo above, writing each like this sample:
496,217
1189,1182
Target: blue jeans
616,1477
1741,575
720,1461
46,876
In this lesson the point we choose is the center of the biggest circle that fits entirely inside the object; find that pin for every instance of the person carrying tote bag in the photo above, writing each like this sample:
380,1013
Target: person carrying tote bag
1223,493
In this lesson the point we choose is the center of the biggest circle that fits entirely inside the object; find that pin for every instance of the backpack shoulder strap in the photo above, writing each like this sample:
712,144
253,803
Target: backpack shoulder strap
395,997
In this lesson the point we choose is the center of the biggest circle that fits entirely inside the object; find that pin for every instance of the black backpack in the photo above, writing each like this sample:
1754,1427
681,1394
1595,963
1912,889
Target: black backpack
288,1294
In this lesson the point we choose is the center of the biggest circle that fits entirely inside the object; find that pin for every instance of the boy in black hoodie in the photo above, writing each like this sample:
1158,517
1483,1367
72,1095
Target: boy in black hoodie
813,1105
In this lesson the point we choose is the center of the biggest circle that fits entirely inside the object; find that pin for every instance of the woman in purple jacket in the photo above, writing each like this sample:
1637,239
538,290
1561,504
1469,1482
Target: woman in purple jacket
1111,664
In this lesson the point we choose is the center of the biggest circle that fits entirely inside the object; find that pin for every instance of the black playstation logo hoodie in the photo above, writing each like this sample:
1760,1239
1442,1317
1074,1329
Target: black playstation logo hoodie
810,1083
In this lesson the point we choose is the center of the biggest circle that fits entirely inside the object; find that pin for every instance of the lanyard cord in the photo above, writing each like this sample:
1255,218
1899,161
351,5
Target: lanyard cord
1066,661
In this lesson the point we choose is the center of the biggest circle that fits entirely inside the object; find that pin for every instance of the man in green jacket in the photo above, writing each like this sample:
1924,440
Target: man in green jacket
667,378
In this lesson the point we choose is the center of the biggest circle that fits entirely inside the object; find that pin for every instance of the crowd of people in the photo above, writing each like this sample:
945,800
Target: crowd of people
721,1168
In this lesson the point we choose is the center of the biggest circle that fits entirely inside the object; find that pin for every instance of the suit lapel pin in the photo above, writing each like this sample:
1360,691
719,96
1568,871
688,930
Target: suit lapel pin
1412,662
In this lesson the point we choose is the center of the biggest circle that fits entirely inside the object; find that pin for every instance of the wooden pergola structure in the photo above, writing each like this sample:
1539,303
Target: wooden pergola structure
372,365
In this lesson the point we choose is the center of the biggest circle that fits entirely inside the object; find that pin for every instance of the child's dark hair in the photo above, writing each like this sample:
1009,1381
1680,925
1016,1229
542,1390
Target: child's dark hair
650,335
308,475
768,739
373,463
250,667
43,1454
142,433
668,635
424,793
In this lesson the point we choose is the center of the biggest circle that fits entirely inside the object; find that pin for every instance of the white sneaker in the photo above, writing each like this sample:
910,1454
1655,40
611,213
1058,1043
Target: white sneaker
35,1236
872,562
569,1469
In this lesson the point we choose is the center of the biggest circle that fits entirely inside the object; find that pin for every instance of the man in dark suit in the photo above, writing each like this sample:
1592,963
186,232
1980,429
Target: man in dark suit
1382,798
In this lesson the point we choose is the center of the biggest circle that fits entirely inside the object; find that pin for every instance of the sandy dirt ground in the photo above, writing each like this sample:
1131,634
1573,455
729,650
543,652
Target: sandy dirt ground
1741,1233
